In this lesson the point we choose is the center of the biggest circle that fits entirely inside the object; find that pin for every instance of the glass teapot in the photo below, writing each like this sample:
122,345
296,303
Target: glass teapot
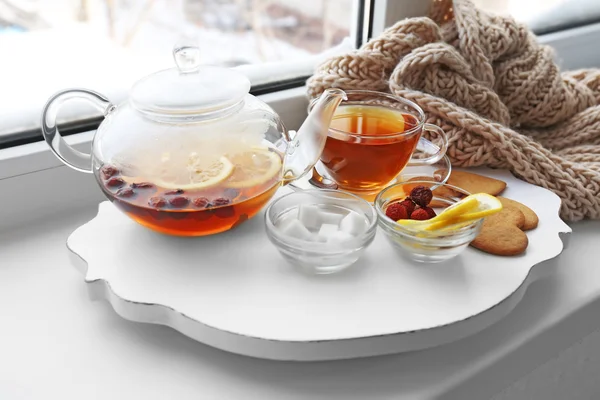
191,152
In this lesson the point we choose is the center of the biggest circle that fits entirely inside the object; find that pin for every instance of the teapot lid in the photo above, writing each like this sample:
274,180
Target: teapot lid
190,89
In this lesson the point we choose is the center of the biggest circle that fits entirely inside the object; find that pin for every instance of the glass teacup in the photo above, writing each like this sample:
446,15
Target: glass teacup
372,137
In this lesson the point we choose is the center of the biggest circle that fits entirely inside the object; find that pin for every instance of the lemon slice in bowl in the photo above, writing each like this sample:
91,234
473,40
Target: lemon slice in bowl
197,174
253,167
473,207
467,205
459,214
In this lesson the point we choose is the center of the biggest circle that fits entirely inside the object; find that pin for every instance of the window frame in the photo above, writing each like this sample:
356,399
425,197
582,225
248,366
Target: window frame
574,48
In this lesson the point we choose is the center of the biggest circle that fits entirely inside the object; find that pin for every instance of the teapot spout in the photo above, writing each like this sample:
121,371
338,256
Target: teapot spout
326,105
305,149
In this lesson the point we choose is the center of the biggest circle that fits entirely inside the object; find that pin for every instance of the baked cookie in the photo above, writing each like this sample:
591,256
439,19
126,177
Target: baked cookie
501,240
509,215
501,233
474,183
531,218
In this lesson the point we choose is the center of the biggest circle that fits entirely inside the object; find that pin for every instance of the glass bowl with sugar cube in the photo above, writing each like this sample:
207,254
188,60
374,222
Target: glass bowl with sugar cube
321,231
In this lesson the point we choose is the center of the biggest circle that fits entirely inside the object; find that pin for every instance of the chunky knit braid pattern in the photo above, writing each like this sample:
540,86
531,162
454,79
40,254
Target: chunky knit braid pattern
494,90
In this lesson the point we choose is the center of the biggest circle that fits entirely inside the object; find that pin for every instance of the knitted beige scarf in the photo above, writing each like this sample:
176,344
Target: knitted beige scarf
494,90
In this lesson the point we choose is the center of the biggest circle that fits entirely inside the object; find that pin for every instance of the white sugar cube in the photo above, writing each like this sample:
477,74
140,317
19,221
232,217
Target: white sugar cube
330,218
308,215
326,232
294,228
353,224
340,236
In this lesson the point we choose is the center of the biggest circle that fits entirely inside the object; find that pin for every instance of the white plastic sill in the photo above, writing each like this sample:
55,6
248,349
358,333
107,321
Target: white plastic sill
57,344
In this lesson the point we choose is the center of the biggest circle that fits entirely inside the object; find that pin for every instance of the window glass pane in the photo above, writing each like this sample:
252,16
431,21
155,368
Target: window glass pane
230,32
544,16
106,45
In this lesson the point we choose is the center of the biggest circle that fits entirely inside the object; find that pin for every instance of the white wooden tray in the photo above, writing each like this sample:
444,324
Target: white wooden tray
234,291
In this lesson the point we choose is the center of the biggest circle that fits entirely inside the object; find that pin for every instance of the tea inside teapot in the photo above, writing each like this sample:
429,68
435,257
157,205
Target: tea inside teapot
172,185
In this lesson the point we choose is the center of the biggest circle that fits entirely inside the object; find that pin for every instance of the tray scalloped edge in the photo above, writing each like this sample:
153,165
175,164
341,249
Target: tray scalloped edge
312,350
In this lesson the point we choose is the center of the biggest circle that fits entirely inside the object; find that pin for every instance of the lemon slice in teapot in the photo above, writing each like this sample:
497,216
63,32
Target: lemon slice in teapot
197,174
253,167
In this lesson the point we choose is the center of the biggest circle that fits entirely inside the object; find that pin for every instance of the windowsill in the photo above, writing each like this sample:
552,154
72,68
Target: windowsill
86,350
100,353
562,15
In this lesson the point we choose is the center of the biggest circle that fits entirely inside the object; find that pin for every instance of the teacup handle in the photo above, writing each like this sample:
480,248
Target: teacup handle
426,146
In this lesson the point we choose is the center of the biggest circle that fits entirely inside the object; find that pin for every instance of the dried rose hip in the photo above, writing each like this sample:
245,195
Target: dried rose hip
430,212
221,201
409,204
176,191
125,192
179,201
421,196
142,185
225,212
115,182
108,171
420,214
157,202
201,202
396,211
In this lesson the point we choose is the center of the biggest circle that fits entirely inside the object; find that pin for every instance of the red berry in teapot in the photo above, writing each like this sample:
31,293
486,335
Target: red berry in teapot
221,201
125,192
115,182
201,202
108,171
142,185
157,202
179,201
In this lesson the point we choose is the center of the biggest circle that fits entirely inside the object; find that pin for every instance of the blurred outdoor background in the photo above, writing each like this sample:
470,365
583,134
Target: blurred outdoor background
106,45
230,32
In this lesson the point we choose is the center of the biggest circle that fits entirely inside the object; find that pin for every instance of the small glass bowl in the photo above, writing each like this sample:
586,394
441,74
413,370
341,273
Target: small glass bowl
320,257
430,247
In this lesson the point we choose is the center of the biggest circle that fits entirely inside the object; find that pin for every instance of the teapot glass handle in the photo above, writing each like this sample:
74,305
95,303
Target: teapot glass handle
70,156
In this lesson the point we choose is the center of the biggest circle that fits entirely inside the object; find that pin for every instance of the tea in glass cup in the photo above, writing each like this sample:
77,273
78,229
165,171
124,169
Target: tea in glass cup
372,137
